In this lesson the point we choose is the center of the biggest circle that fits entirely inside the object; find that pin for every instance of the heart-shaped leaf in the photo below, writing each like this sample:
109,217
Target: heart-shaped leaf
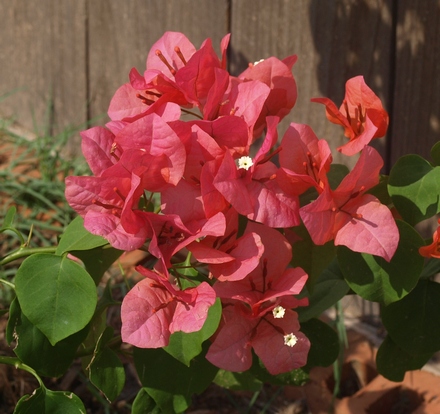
56,294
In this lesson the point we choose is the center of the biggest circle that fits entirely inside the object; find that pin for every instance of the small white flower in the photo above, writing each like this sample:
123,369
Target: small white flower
290,339
245,162
278,312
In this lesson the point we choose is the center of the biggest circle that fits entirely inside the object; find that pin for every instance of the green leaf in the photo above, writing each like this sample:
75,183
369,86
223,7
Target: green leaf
329,288
44,401
237,381
76,237
414,187
413,323
98,260
106,373
9,218
377,280
35,350
392,361
56,294
144,404
185,267
311,258
168,381
435,153
185,346
325,343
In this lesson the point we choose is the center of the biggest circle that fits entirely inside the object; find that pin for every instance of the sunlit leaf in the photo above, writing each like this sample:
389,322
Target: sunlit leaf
414,186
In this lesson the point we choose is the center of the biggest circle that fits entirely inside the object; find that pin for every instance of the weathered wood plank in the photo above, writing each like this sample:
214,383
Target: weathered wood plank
121,34
334,40
43,56
416,112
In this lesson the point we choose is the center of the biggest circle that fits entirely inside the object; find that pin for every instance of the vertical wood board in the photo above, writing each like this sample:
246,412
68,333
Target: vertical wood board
416,111
43,63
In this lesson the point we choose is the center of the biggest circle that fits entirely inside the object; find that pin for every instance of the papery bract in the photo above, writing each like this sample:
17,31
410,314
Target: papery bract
98,149
351,217
432,249
153,309
154,137
304,160
169,234
277,74
108,206
238,334
255,193
229,258
248,318
361,114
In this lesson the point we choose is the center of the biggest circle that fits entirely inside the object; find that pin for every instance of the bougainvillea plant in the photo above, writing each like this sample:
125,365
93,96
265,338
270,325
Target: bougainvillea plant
249,235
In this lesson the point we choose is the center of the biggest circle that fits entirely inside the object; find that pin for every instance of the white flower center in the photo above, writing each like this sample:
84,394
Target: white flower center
245,162
278,312
290,339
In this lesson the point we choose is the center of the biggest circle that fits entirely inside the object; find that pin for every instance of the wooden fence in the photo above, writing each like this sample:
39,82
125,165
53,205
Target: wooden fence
62,60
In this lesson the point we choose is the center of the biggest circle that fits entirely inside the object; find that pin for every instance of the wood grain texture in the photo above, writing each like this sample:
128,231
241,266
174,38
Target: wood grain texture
416,110
334,40
121,34
43,61
66,58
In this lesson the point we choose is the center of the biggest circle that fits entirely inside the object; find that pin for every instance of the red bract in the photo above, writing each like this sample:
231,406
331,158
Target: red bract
229,258
257,313
305,160
433,249
351,217
153,309
202,75
277,74
98,149
169,234
247,100
108,206
152,137
361,114
176,72
251,187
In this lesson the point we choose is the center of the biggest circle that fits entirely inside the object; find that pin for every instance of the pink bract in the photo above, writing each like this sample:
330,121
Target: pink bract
153,309
361,115
351,217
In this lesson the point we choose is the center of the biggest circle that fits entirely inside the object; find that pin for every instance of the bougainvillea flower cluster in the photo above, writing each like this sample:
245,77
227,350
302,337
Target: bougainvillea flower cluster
191,168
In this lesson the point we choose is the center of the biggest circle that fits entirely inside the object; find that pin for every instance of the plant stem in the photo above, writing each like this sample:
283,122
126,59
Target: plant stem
24,252
19,365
